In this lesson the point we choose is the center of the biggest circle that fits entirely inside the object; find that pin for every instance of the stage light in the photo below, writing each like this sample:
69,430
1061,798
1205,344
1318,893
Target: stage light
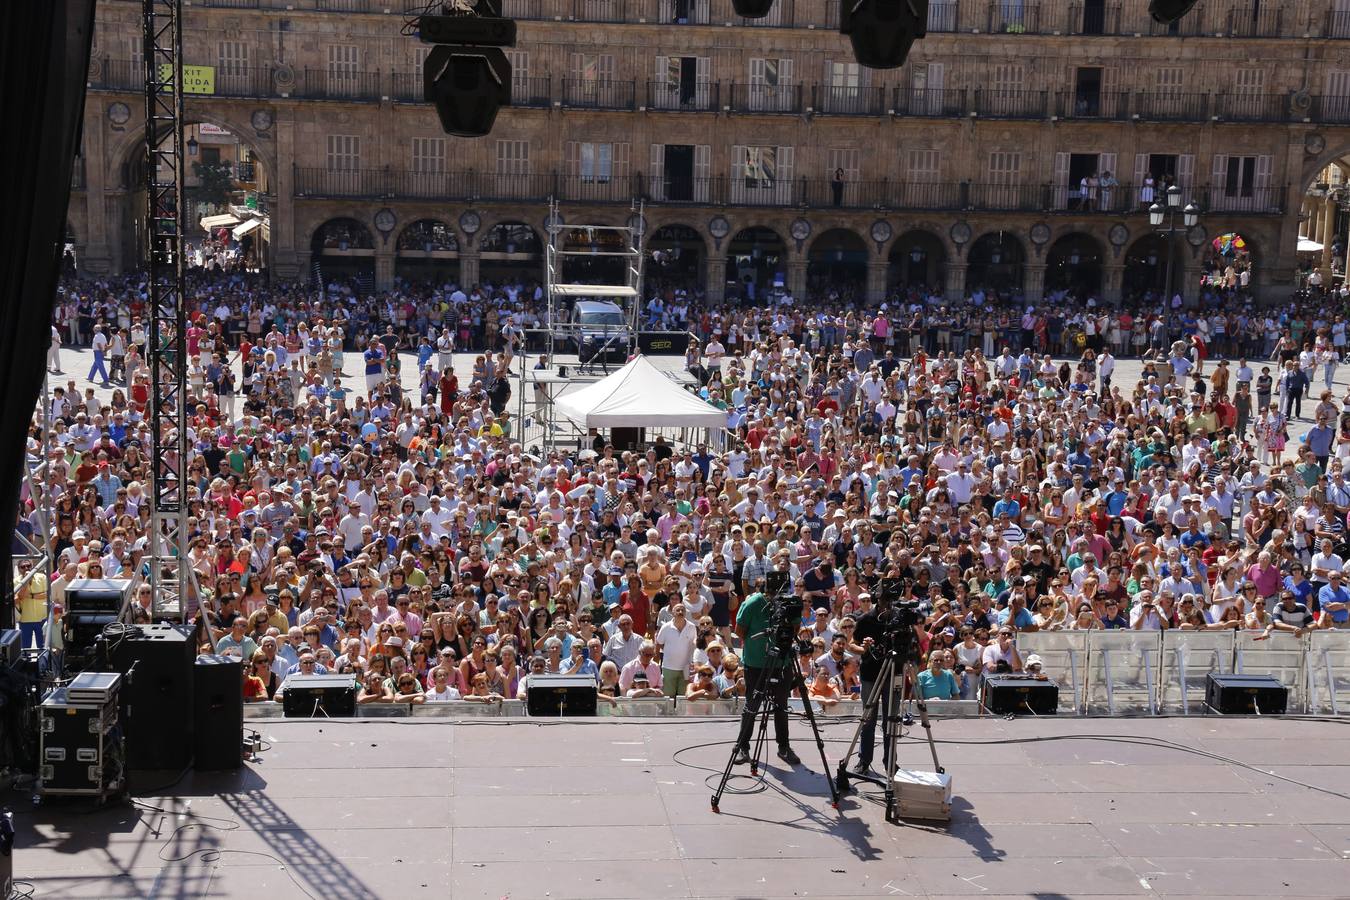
1168,11
882,31
467,77
752,9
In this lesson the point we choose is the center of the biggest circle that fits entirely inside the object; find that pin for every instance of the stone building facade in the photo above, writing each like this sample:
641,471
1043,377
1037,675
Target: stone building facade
759,151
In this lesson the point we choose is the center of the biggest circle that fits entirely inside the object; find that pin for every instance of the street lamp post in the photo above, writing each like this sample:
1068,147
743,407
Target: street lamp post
1189,217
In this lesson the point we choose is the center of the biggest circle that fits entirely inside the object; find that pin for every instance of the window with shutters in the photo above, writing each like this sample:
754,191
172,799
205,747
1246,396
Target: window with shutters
762,174
592,78
513,157
682,82
771,84
1336,97
926,83
1249,82
344,152
1009,80
1339,24
1239,176
685,12
136,53
844,161
344,59
420,52
843,176
595,162
843,87
1005,167
231,58
1170,79
924,165
428,155
520,71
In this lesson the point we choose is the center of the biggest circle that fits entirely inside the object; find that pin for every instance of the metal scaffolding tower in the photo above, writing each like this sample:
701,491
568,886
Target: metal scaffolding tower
166,218
562,294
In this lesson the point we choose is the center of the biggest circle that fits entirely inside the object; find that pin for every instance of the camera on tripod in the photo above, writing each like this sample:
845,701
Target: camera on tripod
897,620
784,614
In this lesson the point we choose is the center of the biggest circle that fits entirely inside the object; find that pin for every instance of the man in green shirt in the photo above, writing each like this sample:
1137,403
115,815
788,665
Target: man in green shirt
752,620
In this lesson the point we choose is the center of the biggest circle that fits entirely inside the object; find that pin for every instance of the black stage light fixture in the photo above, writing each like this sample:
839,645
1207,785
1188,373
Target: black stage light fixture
1168,11
467,77
752,9
882,31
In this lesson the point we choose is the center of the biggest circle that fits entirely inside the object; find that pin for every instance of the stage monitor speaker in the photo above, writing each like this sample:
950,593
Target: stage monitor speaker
318,696
626,439
98,596
1238,695
561,695
157,697
218,708
1017,694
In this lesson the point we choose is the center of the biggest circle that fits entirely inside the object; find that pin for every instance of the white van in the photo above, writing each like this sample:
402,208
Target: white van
601,330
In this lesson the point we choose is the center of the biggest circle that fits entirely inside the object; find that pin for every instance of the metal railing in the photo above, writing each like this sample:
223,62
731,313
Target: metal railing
943,15
1011,104
1266,20
1171,107
701,96
1252,107
325,84
244,81
1254,200
1092,105
586,94
1192,24
783,14
349,6
1337,24
1007,197
848,101
1112,199
1014,18
930,102
684,12
594,188
119,75
1093,19
770,98
1330,109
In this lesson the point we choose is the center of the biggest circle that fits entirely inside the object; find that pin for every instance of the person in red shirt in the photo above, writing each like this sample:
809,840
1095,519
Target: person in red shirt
636,604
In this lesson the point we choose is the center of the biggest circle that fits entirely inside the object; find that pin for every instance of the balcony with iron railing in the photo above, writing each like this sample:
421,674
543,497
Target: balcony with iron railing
526,93
944,16
849,101
700,96
942,103
1331,110
1011,104
1093,18
1014,18
1243,199
1262,20
1337,24
1092,104
1252,107
585,93
684,12
330,84
1169,106
766,98
244,81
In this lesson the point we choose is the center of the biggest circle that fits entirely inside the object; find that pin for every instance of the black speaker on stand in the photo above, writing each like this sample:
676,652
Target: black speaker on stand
218,711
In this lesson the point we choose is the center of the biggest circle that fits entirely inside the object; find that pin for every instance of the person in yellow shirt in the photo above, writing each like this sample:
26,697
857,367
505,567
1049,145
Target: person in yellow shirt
31,603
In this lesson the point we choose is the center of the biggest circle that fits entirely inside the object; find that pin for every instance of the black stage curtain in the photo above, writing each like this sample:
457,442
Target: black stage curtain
44,57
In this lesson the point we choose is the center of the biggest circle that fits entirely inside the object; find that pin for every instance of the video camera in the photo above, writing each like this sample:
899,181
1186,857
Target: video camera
784,614
897,619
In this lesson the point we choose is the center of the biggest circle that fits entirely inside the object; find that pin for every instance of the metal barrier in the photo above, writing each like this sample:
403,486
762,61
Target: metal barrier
1282,655
1122,673
1064,658
1187,658
1328,670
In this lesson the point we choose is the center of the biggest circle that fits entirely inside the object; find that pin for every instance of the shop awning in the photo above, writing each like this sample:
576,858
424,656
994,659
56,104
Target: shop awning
224,220
247,228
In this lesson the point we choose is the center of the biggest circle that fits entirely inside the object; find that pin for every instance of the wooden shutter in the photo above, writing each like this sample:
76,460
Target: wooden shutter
702,171
1218,180
1185,170
656,167
783,178
572,158
1263,198
1062,187
1140,169
703,70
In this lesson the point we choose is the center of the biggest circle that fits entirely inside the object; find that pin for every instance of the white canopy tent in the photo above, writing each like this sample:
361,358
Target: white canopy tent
638,396
1307,245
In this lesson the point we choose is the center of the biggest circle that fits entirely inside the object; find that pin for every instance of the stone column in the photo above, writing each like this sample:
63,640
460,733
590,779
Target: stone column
876,280
796,277
99,241
1033,281
715,277
1113,278
1326,235
286,260
955,286
468,267
384,268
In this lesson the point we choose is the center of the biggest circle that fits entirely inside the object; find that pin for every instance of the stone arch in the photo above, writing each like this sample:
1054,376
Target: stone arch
427,251
757,257
837,261
677,256
997,260
1075,263
917,258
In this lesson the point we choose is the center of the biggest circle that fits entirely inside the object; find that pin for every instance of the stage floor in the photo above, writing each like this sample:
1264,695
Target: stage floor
515,808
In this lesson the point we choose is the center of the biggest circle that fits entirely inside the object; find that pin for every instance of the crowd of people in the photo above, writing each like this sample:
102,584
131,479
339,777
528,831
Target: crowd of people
349,517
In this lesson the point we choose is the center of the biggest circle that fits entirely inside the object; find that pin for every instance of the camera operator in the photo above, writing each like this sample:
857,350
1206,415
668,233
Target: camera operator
752,624
870,636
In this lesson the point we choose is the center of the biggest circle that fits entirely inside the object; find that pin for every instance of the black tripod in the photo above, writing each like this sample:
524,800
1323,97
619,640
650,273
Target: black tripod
884,696
780,666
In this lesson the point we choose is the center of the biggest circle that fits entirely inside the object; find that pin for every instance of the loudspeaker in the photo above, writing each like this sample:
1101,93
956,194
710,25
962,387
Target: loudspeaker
157,697
97,596
625,438
218,711
1231,694
1016,694
318,696
561,695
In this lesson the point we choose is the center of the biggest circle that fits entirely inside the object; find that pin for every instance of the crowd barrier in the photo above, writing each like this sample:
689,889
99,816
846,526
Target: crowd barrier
624,708
1126,672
